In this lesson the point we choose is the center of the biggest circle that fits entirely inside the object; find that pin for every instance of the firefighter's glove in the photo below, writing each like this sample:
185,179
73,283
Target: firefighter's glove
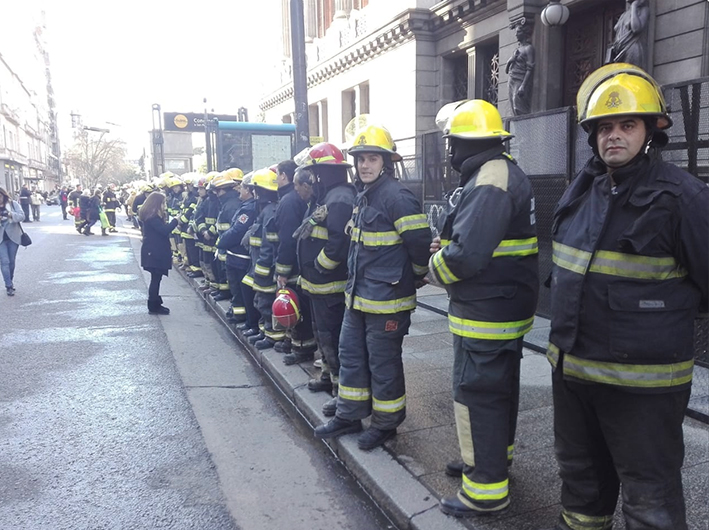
310,222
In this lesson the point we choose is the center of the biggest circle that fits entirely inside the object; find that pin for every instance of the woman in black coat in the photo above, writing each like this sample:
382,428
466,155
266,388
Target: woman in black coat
155,254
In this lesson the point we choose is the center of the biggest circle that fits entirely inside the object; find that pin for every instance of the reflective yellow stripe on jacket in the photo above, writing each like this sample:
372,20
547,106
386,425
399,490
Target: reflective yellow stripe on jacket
476,329
325,262
616,263
620,374
323,288
319,232
384,307
517,247
411,222
376,239
442,270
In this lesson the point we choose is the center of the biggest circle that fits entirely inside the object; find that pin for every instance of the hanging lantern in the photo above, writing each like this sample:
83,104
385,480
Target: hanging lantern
555,14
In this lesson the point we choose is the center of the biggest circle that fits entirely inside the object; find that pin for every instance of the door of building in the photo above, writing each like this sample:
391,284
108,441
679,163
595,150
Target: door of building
589,34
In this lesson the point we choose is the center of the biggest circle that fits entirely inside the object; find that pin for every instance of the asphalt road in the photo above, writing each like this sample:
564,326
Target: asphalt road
111,418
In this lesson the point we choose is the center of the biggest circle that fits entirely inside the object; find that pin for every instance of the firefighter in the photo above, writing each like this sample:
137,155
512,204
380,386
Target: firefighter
187,233
238,261
110,205
74,197
199,226
263,240
631,269
172,186
226,186
301,344
322,253
209,235
145,190
387,261
486,258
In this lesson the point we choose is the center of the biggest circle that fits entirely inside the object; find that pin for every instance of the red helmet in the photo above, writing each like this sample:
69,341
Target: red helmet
327,154
286,309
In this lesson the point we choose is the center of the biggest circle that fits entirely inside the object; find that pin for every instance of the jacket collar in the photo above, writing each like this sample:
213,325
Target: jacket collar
475,162
285,190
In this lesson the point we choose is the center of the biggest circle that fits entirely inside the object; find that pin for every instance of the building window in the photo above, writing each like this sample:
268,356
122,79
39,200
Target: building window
326,12
359,4
460,77
488,69
314,120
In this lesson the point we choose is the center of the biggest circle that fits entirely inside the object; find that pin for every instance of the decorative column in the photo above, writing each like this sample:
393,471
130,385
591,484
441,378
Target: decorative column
342,9
311,20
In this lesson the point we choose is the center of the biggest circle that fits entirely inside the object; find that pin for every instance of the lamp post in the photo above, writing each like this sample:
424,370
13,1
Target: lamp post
300,80
555,14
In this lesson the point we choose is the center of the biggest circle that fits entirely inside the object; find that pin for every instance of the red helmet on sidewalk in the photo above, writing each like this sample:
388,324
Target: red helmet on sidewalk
286,309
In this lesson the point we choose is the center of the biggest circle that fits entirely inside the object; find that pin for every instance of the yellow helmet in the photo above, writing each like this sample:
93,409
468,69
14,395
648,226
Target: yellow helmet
475,119
235,173
169,182
223,180
620,89
266,179
373,139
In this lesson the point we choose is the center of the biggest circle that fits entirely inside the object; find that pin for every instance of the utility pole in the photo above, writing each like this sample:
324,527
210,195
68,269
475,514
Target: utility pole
207,139
300,79
158,142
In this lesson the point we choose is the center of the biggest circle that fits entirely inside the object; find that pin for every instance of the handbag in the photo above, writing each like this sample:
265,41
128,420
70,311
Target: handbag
25,239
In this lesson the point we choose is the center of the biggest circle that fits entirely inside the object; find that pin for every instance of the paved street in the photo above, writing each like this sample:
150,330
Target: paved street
114,419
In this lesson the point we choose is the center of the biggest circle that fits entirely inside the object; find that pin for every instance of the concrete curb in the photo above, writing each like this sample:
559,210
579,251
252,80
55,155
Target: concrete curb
407,502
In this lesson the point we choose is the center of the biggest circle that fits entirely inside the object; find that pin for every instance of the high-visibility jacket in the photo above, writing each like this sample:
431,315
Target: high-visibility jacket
289,214
262,248
631,268
74,199
187,209
389,248
211,212
236,255
110,202
488,262
323,255
198,222
229,203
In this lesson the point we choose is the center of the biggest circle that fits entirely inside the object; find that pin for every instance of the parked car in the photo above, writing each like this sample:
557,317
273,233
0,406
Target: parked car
53,199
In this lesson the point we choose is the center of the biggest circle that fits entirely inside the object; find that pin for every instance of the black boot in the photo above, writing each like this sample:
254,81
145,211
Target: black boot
103,232
329,408
454,506
298,357
322,384
264,344
163,310
250,332
255,338
283,346
374,437
337,427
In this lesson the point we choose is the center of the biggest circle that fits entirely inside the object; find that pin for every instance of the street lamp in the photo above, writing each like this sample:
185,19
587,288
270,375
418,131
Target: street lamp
555,14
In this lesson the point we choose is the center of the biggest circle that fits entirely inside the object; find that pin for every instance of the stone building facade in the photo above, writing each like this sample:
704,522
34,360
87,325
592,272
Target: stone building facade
29,142
401,60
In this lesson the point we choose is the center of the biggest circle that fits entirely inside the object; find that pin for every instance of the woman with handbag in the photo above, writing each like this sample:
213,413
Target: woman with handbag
11,215
156,254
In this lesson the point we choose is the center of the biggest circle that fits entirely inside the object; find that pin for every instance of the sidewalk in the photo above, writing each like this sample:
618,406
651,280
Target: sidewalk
407,477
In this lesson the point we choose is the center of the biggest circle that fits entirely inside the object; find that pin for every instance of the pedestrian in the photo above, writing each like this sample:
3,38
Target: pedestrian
387,261
322,254
299,345
11,215
187,209
155,253
84,201
36,200
486,258
25,195
630,274
92,205
64,201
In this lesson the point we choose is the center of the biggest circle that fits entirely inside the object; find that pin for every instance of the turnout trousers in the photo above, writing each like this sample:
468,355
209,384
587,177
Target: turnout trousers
234,277
252,314
205,262
192,254
606,436
219,272
302,336
486,402
371,370
328,311
111,216
264,304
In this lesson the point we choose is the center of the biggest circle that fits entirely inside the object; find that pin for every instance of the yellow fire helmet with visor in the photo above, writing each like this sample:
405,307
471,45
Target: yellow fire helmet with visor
266,179
473,119
373,139
235,174
620,89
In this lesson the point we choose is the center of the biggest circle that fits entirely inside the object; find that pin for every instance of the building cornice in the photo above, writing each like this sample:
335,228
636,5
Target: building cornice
411,24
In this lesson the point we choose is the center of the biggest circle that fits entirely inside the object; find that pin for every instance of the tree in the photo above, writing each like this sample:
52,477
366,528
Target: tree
96,159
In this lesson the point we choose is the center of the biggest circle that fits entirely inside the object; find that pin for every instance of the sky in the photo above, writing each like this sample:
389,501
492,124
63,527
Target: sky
110,61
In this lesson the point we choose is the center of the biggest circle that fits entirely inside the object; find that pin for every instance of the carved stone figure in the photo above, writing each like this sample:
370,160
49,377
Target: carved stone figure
520,68
630,34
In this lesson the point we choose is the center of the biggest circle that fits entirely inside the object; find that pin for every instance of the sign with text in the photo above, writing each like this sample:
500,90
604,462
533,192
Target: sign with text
191,121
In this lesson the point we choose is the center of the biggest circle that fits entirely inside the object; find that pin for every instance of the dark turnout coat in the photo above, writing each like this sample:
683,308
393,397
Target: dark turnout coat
155,254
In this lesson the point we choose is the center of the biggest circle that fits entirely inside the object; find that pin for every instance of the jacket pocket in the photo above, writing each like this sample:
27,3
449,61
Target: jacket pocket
389,275
652,322
485,292
653,230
